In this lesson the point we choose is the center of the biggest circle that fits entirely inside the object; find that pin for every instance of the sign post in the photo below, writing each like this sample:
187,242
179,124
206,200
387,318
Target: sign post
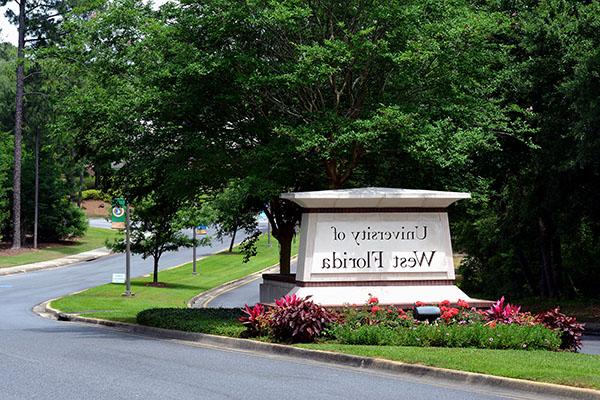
120,220
127,254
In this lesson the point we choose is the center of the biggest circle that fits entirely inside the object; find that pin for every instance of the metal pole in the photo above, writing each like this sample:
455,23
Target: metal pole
127,255
194,251
37,189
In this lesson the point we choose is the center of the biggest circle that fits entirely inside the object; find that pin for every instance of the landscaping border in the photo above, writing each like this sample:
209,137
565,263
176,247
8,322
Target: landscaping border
340,359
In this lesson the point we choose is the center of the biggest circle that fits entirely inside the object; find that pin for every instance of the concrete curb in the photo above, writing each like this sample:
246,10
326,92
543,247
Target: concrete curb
339,359
203,299
57,262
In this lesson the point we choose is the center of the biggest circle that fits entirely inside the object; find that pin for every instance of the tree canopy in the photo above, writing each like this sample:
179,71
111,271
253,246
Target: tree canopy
239,101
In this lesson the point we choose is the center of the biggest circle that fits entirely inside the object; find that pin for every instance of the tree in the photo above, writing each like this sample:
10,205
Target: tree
7,92
154,231
37,22
290,95
334,94
537,231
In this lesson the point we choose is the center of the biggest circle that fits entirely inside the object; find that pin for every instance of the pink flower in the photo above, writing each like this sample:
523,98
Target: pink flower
374,309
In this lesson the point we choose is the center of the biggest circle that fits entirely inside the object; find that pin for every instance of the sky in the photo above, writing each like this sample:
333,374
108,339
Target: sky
8,32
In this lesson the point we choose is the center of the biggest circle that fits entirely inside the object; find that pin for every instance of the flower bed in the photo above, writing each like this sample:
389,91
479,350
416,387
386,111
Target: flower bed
502,326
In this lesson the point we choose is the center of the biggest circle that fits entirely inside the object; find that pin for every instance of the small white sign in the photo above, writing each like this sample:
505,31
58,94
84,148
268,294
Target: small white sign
118,278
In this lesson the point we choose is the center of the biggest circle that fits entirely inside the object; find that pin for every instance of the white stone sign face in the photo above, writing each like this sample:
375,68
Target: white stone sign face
385,242
381,243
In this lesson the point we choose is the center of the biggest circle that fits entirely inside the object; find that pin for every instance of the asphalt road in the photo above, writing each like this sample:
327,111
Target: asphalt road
46,359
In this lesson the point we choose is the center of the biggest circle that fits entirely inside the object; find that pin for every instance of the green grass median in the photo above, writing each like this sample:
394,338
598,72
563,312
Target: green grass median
106,301
573,369
93,239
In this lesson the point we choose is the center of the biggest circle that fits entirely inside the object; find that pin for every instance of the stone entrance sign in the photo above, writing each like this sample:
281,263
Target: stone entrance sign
390,243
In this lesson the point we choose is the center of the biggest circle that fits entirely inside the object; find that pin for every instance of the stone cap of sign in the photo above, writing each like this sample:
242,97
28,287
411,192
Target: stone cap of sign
375,197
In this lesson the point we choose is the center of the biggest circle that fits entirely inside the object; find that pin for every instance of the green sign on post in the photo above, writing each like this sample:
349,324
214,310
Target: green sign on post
117,213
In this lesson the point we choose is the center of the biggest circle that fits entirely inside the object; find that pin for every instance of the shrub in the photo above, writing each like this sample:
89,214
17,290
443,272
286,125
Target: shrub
288,301
374,314
503,336
95,194
298,320
505,313
569,329
255,320
216,321
63,222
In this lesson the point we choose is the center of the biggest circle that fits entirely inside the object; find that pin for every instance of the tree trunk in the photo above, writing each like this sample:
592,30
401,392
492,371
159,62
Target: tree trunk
547,282
19,129
155,276
79,193
283,216
233,238
285,251
37,189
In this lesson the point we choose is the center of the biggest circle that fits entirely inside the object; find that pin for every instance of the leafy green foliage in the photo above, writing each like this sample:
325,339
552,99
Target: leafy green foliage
503,336
536,227
215,321
153,231
95,194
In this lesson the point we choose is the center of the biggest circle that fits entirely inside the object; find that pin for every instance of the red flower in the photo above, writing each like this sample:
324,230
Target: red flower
419,304
374,309
445,303
462,303
373,300
449,313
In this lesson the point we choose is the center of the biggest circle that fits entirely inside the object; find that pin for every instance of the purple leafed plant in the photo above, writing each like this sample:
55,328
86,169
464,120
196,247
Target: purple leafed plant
569,328
505,313
288,301
298,320
254,320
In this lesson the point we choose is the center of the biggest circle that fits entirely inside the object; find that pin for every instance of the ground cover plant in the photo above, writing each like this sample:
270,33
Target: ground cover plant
502,326
215,321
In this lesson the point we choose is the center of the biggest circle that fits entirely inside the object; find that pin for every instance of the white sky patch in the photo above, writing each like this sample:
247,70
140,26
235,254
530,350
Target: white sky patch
8,32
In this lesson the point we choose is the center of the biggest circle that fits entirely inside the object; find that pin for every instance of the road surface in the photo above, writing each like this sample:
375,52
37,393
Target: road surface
46,359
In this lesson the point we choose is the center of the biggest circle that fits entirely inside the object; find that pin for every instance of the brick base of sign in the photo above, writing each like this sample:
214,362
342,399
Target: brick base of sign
337,294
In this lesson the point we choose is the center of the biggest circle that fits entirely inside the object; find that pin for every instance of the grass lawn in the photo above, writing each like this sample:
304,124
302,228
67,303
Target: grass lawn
93,239
106,301
571,369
